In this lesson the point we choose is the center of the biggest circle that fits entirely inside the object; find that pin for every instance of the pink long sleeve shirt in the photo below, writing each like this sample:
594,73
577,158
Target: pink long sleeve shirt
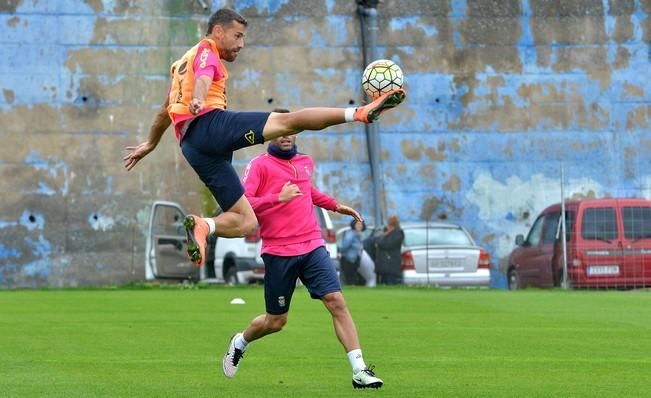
290,228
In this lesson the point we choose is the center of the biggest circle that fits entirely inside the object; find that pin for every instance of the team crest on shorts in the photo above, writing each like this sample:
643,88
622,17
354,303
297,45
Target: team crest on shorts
250,136
281,301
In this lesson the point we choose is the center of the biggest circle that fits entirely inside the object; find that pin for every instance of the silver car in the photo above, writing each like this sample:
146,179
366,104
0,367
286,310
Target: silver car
442,254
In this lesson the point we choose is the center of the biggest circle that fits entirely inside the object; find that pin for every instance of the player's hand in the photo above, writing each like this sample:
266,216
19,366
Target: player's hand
136,153
196,106
289,192
343,209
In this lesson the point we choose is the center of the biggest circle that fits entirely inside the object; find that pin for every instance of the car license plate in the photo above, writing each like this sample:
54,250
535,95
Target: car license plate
446,263
603,270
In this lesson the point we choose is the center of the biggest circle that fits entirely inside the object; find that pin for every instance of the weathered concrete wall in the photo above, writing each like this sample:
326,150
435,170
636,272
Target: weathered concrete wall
500,93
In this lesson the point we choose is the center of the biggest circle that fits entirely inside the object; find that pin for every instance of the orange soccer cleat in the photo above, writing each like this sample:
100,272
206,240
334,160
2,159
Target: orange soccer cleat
371,112
197,231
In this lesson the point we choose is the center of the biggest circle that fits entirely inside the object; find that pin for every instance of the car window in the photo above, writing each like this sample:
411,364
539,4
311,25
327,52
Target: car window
569,223
436,236
599,223
637,222
533,239
550,227
570,216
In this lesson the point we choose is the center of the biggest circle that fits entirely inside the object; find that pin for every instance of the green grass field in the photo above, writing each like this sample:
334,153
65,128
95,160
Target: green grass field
168,342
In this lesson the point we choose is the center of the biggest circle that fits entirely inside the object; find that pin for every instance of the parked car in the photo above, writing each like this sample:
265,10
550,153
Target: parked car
165,249
443,254
608,245
233,260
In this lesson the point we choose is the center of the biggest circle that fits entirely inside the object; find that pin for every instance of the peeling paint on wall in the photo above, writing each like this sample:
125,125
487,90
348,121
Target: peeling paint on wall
507,206
99,222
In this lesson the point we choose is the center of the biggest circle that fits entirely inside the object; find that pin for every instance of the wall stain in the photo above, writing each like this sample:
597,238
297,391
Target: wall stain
96,5
639,118
453,184
10,6
10,96
439,209
13,21
438,154
632,90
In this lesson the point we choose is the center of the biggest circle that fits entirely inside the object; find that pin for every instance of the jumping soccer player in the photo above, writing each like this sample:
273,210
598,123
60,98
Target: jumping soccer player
279,184
208,133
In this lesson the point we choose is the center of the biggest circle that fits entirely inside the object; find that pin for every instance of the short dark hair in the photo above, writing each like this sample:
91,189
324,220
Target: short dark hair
354,221
224,17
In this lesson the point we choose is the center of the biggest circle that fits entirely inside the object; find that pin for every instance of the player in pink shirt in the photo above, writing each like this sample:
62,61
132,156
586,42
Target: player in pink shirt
278,184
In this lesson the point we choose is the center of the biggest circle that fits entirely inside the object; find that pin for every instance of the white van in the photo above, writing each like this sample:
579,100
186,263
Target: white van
233,261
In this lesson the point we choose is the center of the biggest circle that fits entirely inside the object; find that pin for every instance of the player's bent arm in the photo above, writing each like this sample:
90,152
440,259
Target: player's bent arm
160,124
260,201
199,94
349,211
322,200
201,85
329,203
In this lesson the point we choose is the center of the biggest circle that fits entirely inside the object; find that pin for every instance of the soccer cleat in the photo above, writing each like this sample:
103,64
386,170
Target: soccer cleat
232,358
371,112
365,378
197,231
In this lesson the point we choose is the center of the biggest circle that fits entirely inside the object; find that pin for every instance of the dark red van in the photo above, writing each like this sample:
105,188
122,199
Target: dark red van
608,245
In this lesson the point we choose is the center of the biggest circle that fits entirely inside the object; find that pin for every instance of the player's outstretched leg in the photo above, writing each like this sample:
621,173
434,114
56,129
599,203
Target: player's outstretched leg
314,119
197,231
371,112
366,378
232,358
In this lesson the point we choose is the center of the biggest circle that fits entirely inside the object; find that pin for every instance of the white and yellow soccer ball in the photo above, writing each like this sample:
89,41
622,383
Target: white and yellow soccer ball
381,76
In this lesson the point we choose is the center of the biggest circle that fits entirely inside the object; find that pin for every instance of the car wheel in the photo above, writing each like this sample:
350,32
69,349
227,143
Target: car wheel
231,277
514,279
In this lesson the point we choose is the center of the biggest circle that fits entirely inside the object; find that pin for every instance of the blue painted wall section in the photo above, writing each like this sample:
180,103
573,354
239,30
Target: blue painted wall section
500,96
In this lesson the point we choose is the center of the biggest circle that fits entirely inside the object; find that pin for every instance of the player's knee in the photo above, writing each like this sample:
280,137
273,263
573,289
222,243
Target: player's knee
248,227
335,302
283,122
280,124
275,324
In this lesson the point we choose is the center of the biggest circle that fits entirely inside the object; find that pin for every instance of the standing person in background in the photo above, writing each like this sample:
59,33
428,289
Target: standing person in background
351,252
388,253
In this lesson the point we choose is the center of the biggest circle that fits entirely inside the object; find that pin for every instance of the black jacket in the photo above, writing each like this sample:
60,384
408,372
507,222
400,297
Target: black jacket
388,253
369,246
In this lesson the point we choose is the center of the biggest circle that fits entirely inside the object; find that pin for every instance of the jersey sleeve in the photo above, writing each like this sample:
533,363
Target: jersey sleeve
207,63
252,178
322,200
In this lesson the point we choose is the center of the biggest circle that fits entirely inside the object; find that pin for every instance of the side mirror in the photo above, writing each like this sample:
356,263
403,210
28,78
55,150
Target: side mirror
519,240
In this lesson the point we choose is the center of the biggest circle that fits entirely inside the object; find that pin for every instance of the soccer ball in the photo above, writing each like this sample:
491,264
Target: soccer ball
380,77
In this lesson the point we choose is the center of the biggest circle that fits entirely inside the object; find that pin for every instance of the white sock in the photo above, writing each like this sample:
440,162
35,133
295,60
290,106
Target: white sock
211,225
349,114
240,343
356,360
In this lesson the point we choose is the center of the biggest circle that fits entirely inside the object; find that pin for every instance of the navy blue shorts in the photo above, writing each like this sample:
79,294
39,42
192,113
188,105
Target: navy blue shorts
315,269
208,146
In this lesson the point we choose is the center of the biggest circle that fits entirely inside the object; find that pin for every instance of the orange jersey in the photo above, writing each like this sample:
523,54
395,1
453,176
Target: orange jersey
183,77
